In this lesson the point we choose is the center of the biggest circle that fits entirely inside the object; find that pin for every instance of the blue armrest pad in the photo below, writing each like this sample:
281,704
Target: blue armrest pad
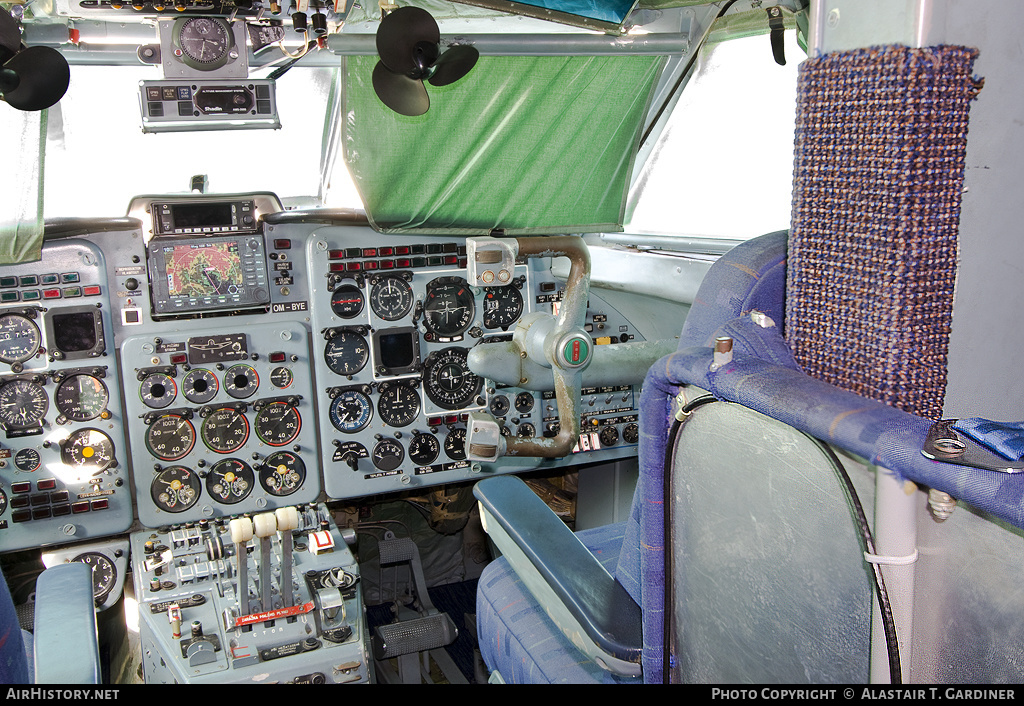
66,649
593,597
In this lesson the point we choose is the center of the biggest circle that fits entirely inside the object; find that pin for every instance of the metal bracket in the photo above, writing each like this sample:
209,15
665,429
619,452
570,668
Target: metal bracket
945,444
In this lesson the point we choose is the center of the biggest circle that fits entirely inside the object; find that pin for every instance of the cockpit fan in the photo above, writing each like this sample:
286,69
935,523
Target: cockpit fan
31,78
408,45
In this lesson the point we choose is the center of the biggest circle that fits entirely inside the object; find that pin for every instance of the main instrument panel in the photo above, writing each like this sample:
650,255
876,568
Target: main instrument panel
213,356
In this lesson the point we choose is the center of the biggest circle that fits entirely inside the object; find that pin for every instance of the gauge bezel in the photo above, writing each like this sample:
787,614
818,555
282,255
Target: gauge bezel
468,384
384,309
188,385
185,24
33,333
38,413
191,479
346,344
183,424
245,472
396,451
268,468
63,405
241,370
386,404
218,420
271,438
95,461
503,320
424,456
165,399
365,408
356,305
101,586
440,289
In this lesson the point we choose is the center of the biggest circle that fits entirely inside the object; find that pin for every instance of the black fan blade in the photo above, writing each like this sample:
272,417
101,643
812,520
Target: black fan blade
400,32
454,64
402,94
43,78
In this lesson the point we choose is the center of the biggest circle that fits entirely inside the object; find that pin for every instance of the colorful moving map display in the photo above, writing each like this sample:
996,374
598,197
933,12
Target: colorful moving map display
203,269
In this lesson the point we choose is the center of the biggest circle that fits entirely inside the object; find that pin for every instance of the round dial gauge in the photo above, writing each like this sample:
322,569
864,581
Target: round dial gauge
424,449
241,381
230,481
27,460
447,380
88,450
81,398
526,431
282,473
158,390
170,437
448,309
455,444
399,405
346,353
351,411
205,42
347,301
388,454
175,489
3,502
282,377
500,406
104,575
23,404
199,385
277,423
502,307
391,298
524,402
19,338
225,430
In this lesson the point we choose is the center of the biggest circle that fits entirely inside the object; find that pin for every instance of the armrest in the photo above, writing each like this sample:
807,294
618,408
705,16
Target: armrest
66,648
586,602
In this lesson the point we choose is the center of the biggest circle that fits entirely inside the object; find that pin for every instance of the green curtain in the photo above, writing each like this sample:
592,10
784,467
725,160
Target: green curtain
21,185
524,144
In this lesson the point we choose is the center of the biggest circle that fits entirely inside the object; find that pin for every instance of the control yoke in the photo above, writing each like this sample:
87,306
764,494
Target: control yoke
542,345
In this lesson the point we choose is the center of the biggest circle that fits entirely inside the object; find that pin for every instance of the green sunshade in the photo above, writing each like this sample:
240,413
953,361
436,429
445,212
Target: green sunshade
524,144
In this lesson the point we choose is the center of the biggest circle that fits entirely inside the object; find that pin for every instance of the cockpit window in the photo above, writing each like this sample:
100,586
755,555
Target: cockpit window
723,166
97,157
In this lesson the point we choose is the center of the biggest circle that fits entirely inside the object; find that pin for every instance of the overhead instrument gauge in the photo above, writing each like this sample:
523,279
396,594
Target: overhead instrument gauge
346,352
158,390
230,481
199,385
225,430
351,411
175,489
202,43
447,380
391,297
104,575
19,338
170,437
81,397
88,450
424,449
23,404
399,404
282,473
277,423
455,444
388,454
347,301
502,307
448,307
241,381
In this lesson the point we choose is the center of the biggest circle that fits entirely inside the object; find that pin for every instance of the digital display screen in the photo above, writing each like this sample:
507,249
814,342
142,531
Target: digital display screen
74,332
200,269
396,350
202,215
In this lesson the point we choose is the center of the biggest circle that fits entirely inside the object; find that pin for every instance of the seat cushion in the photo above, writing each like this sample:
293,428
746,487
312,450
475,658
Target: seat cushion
519,641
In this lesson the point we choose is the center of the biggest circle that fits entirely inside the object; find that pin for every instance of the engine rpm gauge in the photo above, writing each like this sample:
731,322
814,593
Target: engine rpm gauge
447,380
277,423
502,307
230,481
23,404
225,430
282,473
391,298
346,353
241,381
88,450
175,489
170,437
350,411
81,397
448,307
158,390
19,338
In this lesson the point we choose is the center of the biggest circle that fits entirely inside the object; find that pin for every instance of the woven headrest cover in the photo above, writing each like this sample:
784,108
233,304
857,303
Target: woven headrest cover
881,137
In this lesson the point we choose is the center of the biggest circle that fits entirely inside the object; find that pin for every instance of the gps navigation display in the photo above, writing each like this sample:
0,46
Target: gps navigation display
203,269
192,275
